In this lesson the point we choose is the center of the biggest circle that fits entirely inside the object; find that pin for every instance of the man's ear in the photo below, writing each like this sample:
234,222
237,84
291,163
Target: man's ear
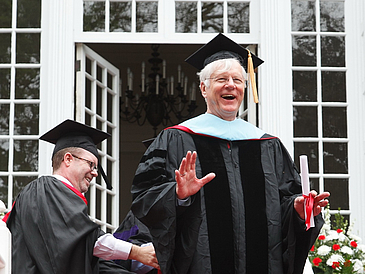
67,158
203,89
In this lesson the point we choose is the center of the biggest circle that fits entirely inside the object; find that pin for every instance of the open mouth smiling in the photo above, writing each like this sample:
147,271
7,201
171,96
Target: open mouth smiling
228,97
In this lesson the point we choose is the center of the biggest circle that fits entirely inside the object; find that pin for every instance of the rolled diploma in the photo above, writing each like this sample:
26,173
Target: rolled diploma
304,174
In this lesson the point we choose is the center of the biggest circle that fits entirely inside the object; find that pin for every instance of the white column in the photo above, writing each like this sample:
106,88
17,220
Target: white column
275,74
355,86
57,71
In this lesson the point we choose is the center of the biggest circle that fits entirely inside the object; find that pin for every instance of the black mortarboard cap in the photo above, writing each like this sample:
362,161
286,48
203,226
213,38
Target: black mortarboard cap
221,47
74,134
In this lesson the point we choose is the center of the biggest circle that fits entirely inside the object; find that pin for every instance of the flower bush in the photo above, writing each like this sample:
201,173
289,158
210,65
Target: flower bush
2,209
337,249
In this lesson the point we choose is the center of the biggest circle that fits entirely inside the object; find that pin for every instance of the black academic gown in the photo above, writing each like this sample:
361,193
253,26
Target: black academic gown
52,233
243,221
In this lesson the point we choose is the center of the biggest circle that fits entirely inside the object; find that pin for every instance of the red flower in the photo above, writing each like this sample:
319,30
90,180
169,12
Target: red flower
339,230
312,249
335,265
317,261
336,247
353,244
321,237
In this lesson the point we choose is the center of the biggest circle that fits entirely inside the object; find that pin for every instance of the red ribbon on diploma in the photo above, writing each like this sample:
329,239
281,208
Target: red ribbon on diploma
309,201
308,198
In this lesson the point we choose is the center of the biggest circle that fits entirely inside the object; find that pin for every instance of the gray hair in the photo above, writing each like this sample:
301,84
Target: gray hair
220,66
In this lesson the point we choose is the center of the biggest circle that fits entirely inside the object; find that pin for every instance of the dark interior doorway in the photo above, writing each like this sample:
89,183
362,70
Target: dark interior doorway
125,56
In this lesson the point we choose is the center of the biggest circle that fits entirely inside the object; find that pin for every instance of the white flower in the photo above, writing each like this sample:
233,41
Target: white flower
342,237
326,227
335,258
357,266
332,235
361,247
327,216
323,250
2,207
350,228
347,250
355,237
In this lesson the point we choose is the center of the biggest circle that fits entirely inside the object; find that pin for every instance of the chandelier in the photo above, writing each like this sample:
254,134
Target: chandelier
158,99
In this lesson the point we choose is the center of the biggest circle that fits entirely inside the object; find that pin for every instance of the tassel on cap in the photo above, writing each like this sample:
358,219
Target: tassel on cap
252,81
221,47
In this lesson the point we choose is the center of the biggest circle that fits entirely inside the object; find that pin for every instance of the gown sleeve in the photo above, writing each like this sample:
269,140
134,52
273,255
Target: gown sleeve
155,201
154,183
296,240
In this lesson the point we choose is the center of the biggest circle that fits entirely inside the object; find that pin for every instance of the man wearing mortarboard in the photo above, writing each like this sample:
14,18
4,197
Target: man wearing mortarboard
245,214
51,230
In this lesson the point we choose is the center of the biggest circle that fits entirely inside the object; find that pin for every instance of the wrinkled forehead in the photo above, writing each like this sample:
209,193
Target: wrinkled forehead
228,66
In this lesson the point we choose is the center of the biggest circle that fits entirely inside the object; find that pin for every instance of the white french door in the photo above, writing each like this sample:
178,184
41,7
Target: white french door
97,105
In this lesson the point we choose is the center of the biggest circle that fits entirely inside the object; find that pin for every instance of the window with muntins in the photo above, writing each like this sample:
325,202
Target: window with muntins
120,16
20,36
97,101
190,16
319,96
212,16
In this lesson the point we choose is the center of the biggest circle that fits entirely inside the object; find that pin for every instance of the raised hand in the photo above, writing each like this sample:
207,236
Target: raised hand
187,182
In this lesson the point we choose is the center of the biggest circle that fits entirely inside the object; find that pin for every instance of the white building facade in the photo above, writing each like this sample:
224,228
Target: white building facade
69,59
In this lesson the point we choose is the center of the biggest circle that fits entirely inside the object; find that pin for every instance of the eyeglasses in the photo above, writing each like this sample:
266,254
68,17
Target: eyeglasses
92,165
225,80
